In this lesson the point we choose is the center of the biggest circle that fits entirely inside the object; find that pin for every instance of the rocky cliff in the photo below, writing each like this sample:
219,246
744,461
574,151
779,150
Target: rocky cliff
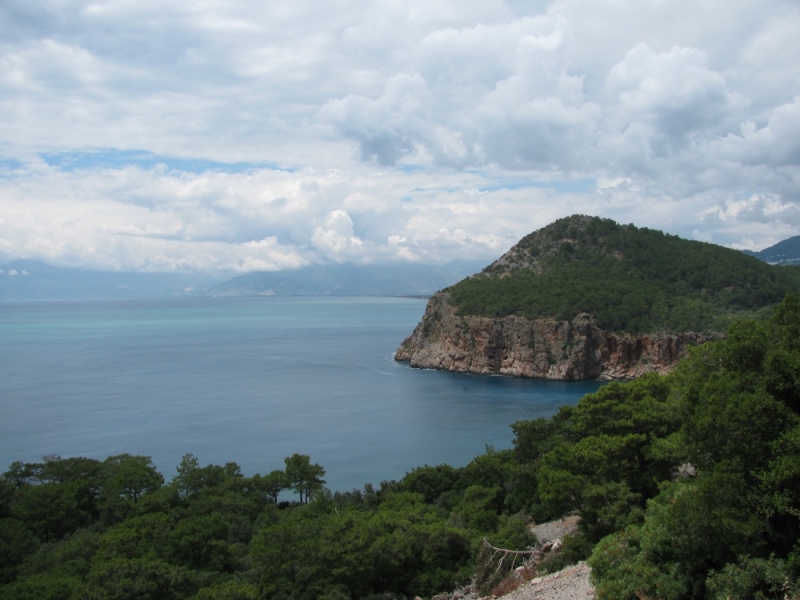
540,348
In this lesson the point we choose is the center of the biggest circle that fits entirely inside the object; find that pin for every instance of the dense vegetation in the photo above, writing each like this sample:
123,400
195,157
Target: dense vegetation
81,528
630,279
688,486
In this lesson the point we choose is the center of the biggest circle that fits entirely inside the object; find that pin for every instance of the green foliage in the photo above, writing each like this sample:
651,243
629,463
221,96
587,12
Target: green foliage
431,482
614,449
52,510
130,477
630,279
731,531
513,533
200,542
16,542
689,485
229,590
756,578
188,478
144,536
404,545
303,476
214,533
478,508
70,557
43,587
272,484
690,529
143,579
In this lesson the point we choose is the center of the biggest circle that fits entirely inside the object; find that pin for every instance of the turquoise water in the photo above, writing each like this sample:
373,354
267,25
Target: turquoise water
249,380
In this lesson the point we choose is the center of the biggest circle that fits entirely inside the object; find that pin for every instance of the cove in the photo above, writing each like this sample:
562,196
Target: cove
248,380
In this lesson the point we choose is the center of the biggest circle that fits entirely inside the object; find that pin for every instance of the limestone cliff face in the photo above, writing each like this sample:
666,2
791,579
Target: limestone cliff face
541,348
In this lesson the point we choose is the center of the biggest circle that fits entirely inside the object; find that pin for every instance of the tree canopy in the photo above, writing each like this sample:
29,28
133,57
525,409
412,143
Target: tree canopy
631,279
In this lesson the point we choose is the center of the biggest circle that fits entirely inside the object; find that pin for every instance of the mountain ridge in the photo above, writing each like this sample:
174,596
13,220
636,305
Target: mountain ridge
400,279
785,252
25,280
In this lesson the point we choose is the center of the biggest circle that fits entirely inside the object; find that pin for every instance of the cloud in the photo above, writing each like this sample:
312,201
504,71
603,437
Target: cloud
673,95
489,94
154,219
758,208
385,128
244,135
337,239
777,144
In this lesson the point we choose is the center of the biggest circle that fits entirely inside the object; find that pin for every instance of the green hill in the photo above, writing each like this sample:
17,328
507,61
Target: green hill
631,279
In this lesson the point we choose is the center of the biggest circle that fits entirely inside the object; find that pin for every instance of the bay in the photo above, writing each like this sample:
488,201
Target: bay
248,380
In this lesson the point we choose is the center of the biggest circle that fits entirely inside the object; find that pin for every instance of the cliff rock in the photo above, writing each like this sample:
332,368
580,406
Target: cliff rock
540,348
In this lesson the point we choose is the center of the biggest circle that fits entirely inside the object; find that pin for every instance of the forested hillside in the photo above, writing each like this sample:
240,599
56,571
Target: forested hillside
631,279
687,485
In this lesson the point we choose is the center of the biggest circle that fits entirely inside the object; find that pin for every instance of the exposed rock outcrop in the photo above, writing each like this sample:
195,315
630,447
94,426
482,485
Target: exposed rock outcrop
540,348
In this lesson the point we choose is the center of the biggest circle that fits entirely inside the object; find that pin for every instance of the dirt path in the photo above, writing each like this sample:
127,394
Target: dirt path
572,583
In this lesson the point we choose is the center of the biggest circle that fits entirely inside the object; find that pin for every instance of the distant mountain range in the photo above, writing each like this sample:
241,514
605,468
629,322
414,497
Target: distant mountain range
400,279
34,280
786,252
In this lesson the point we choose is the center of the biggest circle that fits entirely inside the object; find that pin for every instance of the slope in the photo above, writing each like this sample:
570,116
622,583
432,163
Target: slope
630,279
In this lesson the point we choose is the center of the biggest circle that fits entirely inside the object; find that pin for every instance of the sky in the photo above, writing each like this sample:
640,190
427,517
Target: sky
241,135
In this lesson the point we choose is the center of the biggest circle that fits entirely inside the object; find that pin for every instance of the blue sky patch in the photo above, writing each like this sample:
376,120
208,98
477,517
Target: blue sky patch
112,158
8,164
568,186
410,168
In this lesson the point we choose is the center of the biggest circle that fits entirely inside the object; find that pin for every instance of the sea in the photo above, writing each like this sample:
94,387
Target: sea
251,381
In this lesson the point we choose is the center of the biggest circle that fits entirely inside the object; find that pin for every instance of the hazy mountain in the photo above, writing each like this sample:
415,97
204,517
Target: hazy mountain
400,279
33,280
786,252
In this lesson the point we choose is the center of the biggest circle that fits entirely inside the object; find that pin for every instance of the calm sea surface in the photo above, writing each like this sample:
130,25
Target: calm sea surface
249,380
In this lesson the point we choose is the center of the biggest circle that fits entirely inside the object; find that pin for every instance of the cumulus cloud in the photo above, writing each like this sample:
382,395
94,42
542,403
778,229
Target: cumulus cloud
673,95
386,127
378,130
777,144
155,219
760,208
337,239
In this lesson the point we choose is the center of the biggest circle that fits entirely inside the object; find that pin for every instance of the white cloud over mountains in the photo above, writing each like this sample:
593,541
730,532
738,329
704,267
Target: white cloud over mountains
241,135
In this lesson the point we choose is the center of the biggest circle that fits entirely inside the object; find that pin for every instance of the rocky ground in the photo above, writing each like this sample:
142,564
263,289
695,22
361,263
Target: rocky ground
571,583
555,530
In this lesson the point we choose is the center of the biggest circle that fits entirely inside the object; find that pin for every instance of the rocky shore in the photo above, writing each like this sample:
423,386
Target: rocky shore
539,348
